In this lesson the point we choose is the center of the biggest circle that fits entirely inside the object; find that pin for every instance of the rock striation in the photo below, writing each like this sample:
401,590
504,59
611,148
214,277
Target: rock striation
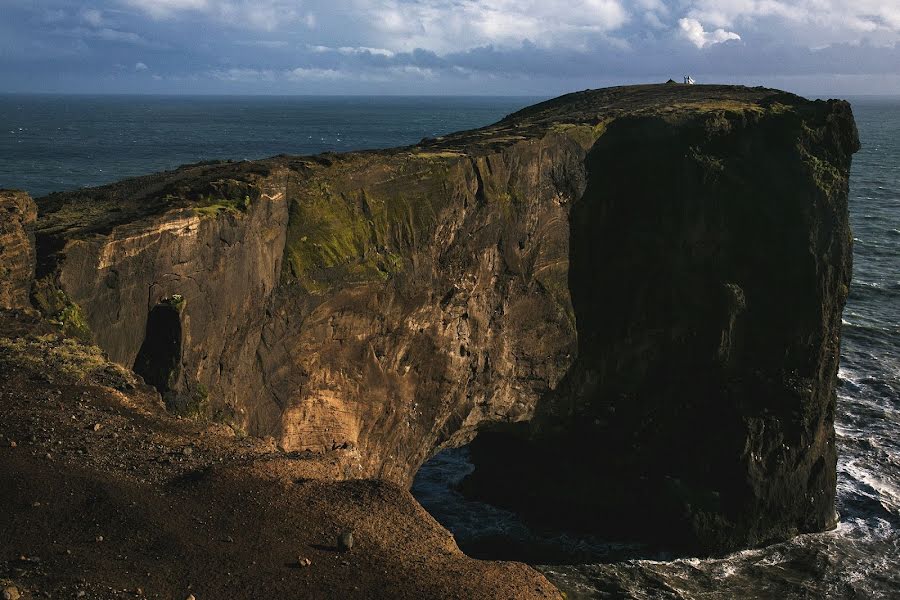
649,280
18,214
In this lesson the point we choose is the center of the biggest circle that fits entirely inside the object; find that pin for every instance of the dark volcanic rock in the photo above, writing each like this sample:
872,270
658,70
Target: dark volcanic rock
651,277
345,541
708,297
17,216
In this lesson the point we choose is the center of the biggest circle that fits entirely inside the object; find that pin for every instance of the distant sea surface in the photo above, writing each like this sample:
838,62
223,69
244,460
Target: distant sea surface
53,143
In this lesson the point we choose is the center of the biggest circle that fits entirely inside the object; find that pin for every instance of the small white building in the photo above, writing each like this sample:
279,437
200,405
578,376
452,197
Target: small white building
689,80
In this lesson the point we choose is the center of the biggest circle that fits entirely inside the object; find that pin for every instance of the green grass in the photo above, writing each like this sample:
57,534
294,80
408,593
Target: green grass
211,207
356,225
62,360
58,308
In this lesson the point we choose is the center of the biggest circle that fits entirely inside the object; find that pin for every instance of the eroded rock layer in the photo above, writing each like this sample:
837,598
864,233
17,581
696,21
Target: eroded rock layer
618,268
17,216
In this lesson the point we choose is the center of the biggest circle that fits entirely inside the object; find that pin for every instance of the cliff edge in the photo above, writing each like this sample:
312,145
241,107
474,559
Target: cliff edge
649,278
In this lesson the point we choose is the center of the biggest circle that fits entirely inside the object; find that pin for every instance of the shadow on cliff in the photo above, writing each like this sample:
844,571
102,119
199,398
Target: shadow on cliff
159,358
706,268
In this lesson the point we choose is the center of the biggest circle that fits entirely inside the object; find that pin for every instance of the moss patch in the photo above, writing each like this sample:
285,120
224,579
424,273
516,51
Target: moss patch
211,206
358,223
176,301
439,155
63,360
58,308
583,133
194,404
736,106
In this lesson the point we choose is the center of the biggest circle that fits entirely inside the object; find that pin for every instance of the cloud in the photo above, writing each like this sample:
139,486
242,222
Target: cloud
267,15
139,66
92,17
263,43
90,24
306,74
461,46
106,34
692,30
814,23
448,25
352,73
353,50
162,9
243,74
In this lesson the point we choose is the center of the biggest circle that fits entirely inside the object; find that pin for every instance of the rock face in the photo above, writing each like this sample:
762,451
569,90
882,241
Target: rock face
181,297
17,217
651,277
708,299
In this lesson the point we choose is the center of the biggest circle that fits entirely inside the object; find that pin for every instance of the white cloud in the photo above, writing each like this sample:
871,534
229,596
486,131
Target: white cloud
92,17
452,25
446,26
244,75
140,66
316,74
106,34
166,8
814,23
271,75
692,30
263,43
353,50
266,15
307,74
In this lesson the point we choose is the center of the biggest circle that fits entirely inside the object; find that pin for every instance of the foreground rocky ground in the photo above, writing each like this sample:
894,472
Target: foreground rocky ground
105,495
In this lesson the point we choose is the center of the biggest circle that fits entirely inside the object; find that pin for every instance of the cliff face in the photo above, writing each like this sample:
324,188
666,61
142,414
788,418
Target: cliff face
708,298
423,295
17,216
718,362
618,268
181,297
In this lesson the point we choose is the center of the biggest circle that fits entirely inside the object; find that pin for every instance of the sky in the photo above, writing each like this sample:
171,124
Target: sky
491,47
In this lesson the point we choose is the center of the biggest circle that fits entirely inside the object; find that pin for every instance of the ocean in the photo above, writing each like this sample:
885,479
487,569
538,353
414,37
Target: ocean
54,143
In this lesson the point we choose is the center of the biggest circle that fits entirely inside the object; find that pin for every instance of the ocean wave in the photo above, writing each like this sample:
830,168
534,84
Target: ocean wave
878,285
874,486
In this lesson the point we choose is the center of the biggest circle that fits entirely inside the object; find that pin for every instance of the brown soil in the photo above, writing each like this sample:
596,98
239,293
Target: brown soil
103,492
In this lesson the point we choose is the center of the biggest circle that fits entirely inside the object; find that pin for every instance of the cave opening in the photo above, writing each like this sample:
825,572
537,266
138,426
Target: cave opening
486,528
159,359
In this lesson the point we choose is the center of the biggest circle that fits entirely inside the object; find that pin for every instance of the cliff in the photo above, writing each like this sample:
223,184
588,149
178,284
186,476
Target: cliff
651,277
19,214
106,495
